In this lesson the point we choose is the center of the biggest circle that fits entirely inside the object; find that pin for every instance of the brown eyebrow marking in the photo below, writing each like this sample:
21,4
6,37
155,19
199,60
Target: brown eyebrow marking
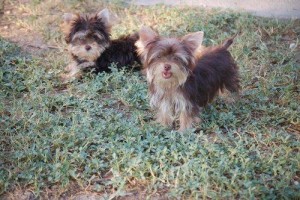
79,35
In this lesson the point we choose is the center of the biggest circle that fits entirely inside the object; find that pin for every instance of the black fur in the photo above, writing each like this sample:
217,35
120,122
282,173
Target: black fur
214,71
121,51
84,23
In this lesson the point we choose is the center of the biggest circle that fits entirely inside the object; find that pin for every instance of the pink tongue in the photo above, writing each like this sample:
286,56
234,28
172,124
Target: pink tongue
167,74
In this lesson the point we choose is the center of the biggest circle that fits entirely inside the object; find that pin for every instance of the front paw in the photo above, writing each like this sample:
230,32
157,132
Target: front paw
74,73
86,65
70,66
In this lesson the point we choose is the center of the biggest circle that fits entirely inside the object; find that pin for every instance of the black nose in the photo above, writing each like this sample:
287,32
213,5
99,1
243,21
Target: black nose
88,47
167,67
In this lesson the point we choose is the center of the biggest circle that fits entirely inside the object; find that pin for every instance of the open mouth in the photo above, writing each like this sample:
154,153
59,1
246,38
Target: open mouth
166,74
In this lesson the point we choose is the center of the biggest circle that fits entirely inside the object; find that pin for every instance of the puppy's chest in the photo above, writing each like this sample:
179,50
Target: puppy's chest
169,100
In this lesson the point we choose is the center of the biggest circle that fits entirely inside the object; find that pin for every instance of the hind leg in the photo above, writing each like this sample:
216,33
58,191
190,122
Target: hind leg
229,97
232,83
232,88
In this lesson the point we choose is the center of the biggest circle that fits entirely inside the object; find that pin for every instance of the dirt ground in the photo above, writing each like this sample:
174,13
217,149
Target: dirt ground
32,41
265,8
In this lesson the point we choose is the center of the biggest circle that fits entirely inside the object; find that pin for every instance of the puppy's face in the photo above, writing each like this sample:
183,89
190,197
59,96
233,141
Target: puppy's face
87,36
168,61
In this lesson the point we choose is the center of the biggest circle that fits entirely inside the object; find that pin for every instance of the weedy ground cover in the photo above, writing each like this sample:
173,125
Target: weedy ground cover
98,133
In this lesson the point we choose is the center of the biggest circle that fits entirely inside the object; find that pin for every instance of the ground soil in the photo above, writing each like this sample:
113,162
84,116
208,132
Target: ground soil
265,8
29,40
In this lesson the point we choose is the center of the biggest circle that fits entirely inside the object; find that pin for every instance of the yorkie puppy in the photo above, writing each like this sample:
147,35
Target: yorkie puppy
183,79
88,39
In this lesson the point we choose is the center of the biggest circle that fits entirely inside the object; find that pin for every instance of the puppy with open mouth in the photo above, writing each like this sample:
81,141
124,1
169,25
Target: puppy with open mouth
183,79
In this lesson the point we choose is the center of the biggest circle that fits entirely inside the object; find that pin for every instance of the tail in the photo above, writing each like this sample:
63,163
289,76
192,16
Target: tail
229,41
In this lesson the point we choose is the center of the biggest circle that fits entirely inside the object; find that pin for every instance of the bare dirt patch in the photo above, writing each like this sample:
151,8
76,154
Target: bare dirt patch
76,192
266,8
29,40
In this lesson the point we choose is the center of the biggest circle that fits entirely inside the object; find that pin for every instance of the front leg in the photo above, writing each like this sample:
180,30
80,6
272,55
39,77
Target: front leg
70,66
74,71
83,65
164,119
187,120
86,65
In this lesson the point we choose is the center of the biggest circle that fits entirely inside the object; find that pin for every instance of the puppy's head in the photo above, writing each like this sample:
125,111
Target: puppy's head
87,36
168,61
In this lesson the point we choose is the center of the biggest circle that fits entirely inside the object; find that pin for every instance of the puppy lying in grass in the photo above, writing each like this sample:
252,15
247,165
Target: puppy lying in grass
90,46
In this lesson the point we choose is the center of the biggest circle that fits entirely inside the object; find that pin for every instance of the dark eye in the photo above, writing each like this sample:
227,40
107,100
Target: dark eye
82,41
159,56
95,37
80,38
176,59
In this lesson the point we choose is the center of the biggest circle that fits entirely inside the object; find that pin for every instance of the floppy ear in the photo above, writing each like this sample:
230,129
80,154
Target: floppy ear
107,18
193,40
147,35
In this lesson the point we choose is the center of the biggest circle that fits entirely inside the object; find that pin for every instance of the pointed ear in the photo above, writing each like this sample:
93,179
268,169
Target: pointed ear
193,40
147,35
107,18
66,26
68,17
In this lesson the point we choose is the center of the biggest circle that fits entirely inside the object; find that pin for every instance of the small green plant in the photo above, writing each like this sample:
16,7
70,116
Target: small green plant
99,131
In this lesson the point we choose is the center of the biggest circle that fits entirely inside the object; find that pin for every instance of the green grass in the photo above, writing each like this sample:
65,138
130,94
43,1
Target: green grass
100,132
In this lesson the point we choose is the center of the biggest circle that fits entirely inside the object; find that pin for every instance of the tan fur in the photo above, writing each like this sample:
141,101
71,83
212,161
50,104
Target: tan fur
166,96
185,120
146,36
170,106
140,47
82,53
74,71
178,77
66,25
80,35
79,49
228,97
193,40
108,18
164,118
198,51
